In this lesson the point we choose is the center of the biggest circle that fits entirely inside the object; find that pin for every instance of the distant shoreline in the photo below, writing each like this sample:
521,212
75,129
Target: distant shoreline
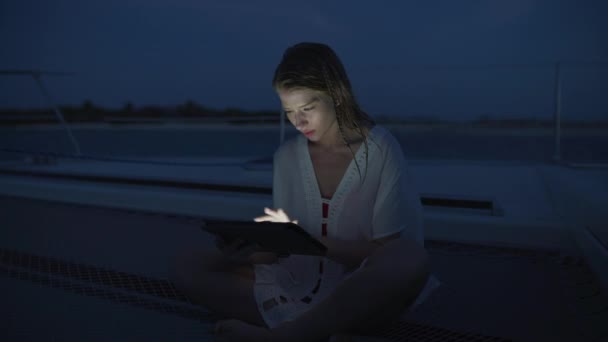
193,115
452,128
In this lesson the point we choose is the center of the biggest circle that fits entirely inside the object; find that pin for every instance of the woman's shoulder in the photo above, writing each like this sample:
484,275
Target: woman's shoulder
384,140
389,154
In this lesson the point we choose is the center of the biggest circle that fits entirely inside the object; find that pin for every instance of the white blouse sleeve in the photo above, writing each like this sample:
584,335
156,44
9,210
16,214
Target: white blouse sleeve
397,207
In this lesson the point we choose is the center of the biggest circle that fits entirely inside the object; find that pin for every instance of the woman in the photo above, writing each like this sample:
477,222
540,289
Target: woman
344,180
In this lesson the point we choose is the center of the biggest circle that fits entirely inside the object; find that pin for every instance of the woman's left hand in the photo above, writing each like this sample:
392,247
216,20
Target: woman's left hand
278,215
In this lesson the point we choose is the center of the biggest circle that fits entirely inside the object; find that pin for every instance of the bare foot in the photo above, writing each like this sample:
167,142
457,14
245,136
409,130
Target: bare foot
235,330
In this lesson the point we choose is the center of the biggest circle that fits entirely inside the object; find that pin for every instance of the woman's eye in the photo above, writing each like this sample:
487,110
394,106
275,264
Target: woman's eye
308,109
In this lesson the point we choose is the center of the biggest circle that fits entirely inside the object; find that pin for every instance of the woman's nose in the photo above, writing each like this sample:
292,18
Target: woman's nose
300,122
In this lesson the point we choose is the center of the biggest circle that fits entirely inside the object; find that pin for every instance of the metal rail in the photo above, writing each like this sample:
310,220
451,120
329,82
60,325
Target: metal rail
37,76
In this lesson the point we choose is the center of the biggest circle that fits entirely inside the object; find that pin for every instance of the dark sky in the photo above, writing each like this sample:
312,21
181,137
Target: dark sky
413,58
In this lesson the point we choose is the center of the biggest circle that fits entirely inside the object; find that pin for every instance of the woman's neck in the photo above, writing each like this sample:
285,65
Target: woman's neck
335,141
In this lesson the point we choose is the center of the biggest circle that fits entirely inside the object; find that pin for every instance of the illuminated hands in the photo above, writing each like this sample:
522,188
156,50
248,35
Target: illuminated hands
274,216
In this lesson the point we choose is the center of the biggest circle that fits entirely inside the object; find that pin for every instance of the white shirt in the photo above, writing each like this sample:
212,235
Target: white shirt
379,203
383,203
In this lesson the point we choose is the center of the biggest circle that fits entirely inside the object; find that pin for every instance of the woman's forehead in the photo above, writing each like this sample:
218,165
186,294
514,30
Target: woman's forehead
298,96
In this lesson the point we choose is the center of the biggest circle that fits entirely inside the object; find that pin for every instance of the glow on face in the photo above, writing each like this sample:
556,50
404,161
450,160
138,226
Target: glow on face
310,111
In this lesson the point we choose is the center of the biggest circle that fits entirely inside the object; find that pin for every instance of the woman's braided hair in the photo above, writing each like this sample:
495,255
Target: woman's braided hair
316,66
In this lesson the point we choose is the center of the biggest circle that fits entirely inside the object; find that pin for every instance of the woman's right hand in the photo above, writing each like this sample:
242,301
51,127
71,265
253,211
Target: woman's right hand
272,215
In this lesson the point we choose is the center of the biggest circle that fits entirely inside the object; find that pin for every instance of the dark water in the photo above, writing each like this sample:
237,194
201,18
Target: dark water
151,143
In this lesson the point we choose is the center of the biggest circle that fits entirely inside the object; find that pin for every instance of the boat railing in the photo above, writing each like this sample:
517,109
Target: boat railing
37,77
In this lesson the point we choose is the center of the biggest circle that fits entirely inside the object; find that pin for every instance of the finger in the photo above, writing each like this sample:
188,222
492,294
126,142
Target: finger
263,218
270,212
283,216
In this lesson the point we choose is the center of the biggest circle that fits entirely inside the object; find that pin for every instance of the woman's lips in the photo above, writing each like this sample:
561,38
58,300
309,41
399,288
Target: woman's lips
309,133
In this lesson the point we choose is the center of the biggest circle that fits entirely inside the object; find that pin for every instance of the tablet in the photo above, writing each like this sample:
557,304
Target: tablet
281,238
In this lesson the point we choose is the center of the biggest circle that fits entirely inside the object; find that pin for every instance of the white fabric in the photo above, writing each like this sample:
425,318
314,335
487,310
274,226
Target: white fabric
380,203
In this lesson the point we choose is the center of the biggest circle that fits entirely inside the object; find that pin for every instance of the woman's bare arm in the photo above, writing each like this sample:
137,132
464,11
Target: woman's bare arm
351,253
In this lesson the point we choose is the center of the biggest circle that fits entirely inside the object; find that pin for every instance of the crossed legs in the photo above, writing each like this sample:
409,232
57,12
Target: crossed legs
378,292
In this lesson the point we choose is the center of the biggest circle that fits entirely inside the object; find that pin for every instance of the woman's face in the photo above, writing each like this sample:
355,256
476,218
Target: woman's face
310,111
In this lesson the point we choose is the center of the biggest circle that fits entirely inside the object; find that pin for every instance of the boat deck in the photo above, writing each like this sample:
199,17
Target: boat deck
82,272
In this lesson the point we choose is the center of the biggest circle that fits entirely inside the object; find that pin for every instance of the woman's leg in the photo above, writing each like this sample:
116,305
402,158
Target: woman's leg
220,286
390,281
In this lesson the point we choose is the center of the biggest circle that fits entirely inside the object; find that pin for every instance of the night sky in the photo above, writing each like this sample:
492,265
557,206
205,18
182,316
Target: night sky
448,59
